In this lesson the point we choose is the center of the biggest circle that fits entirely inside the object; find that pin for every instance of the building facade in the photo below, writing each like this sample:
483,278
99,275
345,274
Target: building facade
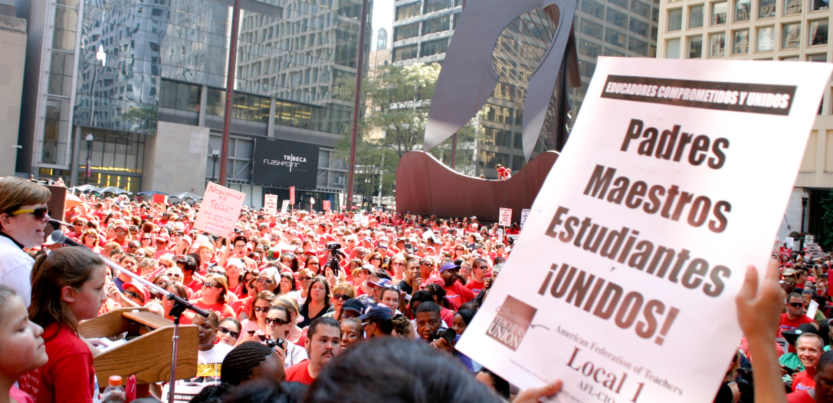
13,47
422,30
775,30
136,86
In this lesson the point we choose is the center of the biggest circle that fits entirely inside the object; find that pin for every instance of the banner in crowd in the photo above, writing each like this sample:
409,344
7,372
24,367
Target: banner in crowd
219,210
292,195
284,206
623,285
505,215
524,216
270,204
325,205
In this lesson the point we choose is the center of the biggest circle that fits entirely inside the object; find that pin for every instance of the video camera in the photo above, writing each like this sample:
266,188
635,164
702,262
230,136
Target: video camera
449,334
335,252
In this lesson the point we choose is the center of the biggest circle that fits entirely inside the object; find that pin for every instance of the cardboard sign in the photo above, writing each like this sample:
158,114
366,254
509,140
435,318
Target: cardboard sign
271,204
326,205
292,195
219,210
160,199
790,242
284,206
505,217
624,283
809,238
524,216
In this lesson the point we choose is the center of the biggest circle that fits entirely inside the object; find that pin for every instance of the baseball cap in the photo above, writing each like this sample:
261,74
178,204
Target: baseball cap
355,305
379,312
449,266
235,262
142,290
792,335
383,282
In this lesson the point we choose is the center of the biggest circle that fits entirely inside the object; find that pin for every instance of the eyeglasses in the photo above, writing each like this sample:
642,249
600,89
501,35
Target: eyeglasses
343,297
165,265
146,239
175,275
796,304
264,280
276,321
209,285
261,309
304,278
39,213
223,329
482,267
313,264
132,294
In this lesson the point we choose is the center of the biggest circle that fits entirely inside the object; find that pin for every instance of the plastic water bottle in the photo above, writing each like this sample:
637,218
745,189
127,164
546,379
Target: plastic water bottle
114,392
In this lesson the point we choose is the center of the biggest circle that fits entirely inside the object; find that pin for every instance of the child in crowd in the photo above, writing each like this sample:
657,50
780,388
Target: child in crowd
21,346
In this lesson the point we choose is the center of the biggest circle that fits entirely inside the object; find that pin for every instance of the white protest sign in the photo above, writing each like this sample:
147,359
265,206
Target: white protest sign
505,217
624,283
219,210
790,241
284,206
811,310
271,204
524,216
809,238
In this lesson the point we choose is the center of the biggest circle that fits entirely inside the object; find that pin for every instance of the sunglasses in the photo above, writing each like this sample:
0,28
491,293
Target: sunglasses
304,278
132,294
343,297
209,285
225,330
797,305
264,280
175,275
276,321
482,267
167,266
261,309
39,213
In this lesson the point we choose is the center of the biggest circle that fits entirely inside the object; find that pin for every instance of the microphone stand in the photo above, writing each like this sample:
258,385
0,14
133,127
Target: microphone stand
180,304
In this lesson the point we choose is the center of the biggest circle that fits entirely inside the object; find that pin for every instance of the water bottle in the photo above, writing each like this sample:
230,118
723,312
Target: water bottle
114,392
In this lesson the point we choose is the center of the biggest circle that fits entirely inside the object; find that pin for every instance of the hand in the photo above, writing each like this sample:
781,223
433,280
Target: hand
281,353
759,308
247,337
443,345
532,395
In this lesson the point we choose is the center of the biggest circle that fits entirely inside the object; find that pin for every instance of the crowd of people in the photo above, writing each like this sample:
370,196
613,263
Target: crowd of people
310,306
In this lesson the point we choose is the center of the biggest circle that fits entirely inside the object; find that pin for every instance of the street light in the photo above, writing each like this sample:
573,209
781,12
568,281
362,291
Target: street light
215,155
88,171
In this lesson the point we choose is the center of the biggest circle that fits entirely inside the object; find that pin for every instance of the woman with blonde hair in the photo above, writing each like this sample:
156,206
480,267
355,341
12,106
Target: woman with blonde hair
215,296
341,293
295,332
254,325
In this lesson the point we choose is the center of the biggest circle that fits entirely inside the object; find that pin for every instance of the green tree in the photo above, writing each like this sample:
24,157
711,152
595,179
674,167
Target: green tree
397,100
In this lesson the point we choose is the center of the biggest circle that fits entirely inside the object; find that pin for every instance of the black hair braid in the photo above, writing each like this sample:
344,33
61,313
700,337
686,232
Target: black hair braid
238,364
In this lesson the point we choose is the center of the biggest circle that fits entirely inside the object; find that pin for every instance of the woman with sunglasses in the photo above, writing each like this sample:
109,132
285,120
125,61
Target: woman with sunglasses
278,325
214,296
296,334
305,277
317,303
229,331
146,239
90,240
375,260
313,264
341,293
255,323
266,282
181,291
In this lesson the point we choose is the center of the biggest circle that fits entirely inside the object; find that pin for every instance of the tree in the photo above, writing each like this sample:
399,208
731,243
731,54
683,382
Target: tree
397,99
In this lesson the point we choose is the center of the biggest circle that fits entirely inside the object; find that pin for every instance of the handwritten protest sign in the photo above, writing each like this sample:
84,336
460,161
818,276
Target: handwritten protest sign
524,216
505,217
284,206
623,284
271,204
219,210
325,205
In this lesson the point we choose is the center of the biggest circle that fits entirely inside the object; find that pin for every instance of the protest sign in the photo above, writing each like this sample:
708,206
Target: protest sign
161,199
646,234
811,310
524,216
311,203
284,206
271,204
505,217
809,238
325,205
292,195
790,241
219,210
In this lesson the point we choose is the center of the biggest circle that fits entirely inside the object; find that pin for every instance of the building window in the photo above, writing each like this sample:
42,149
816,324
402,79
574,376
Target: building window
436,25
821,57
766,38
406,31
405,53
717,44
620,3
586,68
499,114
382,41
742,10
789,59
435,47
591,28
407,11
437,5
695,47
595,9
792,6
637,46
791,36
719,13
695,16
615,38
611,52
818,32
820,4
740,42
639,27
179,96
672,49
641,9
766,8
675,19
616,18
589,48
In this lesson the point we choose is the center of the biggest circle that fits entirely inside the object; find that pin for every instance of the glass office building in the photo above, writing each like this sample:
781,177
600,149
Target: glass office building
116,68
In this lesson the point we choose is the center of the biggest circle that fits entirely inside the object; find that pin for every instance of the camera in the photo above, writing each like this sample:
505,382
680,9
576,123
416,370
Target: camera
409,247
448,334
274,343
333,246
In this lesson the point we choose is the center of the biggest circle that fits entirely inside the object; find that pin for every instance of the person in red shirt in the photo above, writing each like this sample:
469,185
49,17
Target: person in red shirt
67,287
823,392
479,270
809,348
456,293
323,344
794,317
215,296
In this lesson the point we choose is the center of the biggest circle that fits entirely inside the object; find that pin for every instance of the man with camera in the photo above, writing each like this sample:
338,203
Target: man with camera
429,329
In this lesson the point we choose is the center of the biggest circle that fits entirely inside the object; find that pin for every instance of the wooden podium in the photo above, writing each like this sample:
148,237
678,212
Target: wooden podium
147,356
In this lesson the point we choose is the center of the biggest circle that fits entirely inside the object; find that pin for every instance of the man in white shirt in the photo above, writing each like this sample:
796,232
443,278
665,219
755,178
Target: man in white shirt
23,216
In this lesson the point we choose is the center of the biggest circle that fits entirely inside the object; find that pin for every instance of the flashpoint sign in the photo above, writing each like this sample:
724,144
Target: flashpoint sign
285,163
288,161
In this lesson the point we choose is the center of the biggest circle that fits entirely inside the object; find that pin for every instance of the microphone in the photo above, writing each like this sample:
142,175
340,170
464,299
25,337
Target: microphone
54,221
59,237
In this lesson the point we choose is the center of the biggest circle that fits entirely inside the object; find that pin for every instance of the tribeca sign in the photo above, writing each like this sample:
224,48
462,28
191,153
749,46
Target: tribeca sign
288,161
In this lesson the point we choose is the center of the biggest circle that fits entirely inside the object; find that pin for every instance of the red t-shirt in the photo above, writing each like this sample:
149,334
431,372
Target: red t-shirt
475,287
299,373
803,381
457,294
787,324
800,397
68,377
222,310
